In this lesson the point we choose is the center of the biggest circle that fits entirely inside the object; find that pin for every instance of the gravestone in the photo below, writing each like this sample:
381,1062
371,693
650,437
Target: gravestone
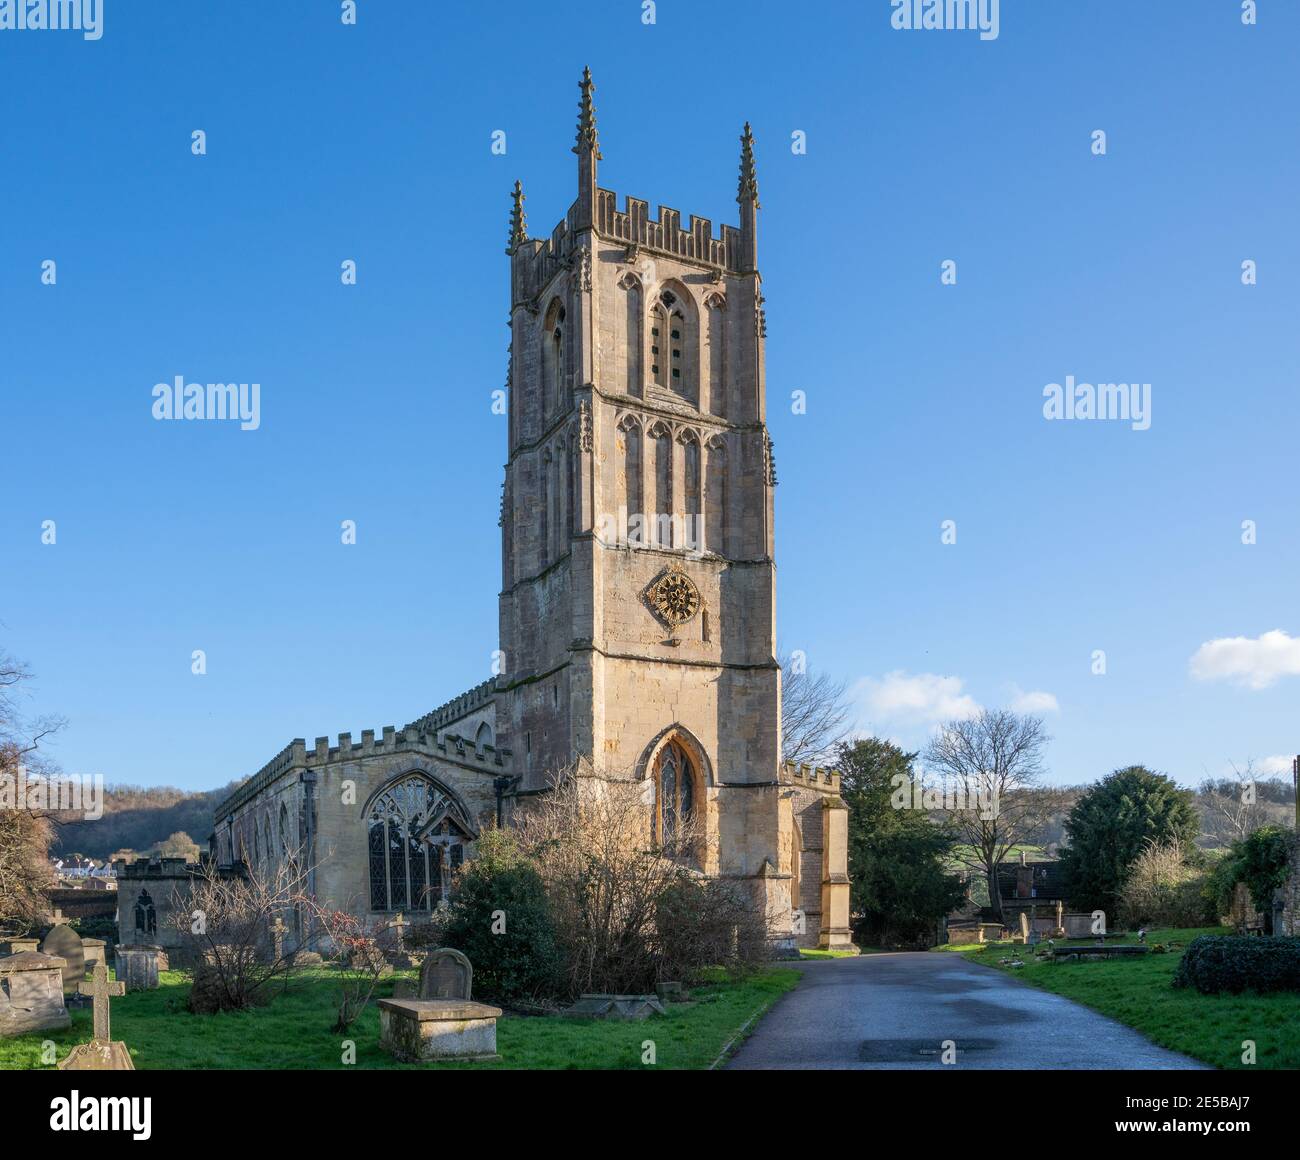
446,974
65,943
93,949
138,966
31,994
101,1053
1024,926
278,931
443,1023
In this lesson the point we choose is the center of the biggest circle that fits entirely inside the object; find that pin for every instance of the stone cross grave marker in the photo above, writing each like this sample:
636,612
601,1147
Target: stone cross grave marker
446,974
100,990
399,925
65,943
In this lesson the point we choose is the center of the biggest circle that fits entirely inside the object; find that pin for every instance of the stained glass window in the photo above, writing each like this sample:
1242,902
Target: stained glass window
674,792
405,850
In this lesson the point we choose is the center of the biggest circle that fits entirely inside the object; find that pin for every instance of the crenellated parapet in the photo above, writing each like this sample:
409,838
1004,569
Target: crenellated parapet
810,777
424,735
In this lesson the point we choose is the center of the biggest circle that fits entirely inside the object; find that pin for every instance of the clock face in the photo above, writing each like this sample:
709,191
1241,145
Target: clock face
674,598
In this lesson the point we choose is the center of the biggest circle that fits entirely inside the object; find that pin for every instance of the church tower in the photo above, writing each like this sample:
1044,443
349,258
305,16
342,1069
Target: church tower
637,609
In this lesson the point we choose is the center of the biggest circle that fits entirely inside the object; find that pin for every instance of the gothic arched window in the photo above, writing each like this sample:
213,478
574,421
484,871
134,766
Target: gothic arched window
414,841
146,916
552,358
674,777
284,831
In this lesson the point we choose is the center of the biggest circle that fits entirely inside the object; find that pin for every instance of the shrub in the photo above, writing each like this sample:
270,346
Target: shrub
501,919
702,923
1161,889
1216,964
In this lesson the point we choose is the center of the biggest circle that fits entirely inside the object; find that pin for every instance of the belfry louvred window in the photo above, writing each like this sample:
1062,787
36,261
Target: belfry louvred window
416,839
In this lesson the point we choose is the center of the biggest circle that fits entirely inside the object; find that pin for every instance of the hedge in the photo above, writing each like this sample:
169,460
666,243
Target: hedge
1217,964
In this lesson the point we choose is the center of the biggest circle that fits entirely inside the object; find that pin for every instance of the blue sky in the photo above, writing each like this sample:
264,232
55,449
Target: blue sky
924,401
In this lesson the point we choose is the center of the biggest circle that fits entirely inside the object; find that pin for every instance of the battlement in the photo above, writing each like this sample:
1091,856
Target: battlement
421,734
538,260
456,708
822,780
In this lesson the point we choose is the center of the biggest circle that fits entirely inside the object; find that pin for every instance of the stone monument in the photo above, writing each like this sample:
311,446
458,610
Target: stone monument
101,1053
31,994
138,966
444,1023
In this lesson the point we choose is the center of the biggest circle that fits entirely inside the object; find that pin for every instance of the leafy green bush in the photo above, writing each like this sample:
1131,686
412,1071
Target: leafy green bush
501,919
1218,964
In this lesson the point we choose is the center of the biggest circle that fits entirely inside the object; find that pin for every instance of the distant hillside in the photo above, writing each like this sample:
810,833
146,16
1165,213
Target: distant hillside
139,818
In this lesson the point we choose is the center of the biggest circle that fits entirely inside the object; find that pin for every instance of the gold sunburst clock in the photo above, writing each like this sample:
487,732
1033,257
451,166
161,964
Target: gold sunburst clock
673,598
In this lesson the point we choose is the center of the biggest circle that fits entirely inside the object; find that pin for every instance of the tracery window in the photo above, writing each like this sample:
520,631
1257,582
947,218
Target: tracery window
415,841
674,776
146,916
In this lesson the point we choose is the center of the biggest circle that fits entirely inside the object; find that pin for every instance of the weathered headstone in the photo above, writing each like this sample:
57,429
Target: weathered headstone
65,943
31,994
93,948
443,1023
446,974
101,1053
1024,926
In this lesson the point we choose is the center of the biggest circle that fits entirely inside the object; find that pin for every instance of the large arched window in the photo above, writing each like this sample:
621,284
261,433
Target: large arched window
417,837
674,777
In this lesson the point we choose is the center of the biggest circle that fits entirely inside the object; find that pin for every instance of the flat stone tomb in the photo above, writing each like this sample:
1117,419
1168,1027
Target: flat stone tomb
625,1007
31,994
438,1029
443,1023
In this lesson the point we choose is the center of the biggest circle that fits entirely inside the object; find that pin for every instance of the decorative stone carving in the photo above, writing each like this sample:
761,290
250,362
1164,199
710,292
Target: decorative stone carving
584,426
674,598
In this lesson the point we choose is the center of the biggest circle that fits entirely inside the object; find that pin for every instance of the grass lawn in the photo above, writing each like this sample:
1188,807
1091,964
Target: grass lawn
293,1031
1137,991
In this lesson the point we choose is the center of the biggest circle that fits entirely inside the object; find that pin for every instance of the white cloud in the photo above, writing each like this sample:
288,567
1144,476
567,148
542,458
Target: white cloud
1263,766
1256,662
1036,702
917,699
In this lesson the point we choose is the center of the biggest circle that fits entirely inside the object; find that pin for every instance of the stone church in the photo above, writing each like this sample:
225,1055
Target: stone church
638,592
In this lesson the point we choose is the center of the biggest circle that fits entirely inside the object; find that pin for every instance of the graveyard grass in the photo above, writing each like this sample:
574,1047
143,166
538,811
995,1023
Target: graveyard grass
293,1031
1138,992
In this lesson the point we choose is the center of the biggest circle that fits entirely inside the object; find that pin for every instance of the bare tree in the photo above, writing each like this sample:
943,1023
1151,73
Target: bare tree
992,763
25,833
630,908
232,928
1233,811
813,712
